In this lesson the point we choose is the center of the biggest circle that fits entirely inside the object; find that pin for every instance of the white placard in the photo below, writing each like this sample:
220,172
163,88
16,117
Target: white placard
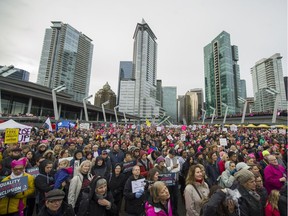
223,141
208,130
183,137
170,137
224,129
233,128
194,127
138,185
159,128
282,131
84,126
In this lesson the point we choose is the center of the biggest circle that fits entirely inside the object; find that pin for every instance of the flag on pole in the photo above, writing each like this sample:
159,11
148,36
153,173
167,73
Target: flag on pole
47,124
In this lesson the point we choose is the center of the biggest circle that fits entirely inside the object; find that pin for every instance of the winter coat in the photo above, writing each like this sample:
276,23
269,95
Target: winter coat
271,212
193,201
249,206
43,182
133,205
61,176
75,188
282,202
66,210
226,179
6,166
97,210
212,172
272,174
156,209
116,157
144,167
100,170
116,186
10,205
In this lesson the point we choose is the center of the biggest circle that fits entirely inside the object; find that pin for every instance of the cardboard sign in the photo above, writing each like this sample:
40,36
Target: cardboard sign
24,135
282,131
16,185
183,137
223,141
233,127
33,171
159,128
84,126
138,185
224,129
11,135
169,178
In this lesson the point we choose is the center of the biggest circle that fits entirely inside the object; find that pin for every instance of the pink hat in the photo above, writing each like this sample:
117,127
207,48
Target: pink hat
20,162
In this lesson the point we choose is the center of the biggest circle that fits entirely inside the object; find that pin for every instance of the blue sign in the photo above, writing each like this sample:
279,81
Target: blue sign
16,185
169,178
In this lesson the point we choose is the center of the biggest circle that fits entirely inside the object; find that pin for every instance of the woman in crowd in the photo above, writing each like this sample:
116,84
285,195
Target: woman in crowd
212,169
159,203
271,208
195,192
249,202
100,168
160,165
101,201
144,163
116,185
227,177
261,190
30,155
79,184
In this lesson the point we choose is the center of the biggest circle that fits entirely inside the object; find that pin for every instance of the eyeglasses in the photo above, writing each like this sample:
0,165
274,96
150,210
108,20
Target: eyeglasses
18,169
55,201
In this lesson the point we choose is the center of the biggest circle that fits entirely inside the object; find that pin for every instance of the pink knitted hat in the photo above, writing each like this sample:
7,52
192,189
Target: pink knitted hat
20,162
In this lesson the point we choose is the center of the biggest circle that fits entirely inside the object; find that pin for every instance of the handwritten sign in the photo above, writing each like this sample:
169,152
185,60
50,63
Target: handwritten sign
11,135
138,185
24,134
169,178
223,141
13,185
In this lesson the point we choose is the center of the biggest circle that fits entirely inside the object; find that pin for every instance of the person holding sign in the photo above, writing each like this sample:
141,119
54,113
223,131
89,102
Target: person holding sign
14,203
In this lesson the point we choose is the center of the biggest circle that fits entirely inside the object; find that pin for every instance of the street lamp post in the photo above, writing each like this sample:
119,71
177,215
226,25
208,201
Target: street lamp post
204,115
103,109
277,98
115,112
213,114
226,110
244,108
85,106
124,114
54,98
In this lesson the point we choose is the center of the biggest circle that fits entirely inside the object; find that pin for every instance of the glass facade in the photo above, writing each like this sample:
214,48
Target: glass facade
170,103
222,75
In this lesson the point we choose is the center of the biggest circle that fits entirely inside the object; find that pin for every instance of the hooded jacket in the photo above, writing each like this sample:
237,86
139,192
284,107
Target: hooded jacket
156,209
100,170
61,176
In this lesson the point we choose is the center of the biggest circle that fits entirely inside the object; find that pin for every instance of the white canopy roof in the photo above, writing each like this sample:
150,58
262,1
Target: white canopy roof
12,124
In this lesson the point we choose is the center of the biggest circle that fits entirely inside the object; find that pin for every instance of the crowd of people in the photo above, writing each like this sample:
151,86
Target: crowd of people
139,170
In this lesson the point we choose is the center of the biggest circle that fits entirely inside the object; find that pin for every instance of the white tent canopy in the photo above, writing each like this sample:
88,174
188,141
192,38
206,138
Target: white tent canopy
12,124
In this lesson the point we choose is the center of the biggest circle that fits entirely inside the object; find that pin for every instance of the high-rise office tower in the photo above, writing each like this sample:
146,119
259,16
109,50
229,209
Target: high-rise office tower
19,74
170,102
286,86
194,100
125,73
243,93
145,71
66,59
267,79
222,75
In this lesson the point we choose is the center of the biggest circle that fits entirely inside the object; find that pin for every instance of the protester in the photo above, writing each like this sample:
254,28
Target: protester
271,208
134,201
55,206
249,202
79,184
15,203
159,203
227,177
195,192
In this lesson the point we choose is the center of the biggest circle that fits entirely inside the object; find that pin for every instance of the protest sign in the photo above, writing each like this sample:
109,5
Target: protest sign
169,178
224,129
159,128
170,137
34,171
85,126
16,185
138,185
183,137
282,131
24,134
223,141
11,135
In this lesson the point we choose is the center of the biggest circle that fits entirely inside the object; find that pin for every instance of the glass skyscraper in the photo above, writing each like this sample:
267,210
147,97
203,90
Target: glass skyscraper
170,102
66,59
268,73
222,75
125,73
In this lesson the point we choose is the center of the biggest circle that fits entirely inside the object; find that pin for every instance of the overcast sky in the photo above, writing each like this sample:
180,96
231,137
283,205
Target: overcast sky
182,28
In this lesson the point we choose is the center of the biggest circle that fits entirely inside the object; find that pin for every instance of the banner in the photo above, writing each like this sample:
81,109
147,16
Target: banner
13,185
24,134
47,124
11,135
169,178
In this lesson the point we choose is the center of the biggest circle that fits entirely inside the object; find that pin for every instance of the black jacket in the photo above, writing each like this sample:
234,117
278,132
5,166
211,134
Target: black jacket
97,210
116,186
65,210
133,205
249,206
282,203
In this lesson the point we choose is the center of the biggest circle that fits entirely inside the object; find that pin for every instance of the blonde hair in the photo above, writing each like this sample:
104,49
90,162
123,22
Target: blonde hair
65,162
273,199
83,163
155,189
190,179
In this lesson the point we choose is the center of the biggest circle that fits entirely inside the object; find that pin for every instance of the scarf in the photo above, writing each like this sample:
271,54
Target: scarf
254,194
13,176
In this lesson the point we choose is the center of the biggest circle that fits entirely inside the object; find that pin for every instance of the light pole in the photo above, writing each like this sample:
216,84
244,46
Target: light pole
274,92
85,106
57,89
204,115
213,114
244,108
124,114
103,109
115,112
226,110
